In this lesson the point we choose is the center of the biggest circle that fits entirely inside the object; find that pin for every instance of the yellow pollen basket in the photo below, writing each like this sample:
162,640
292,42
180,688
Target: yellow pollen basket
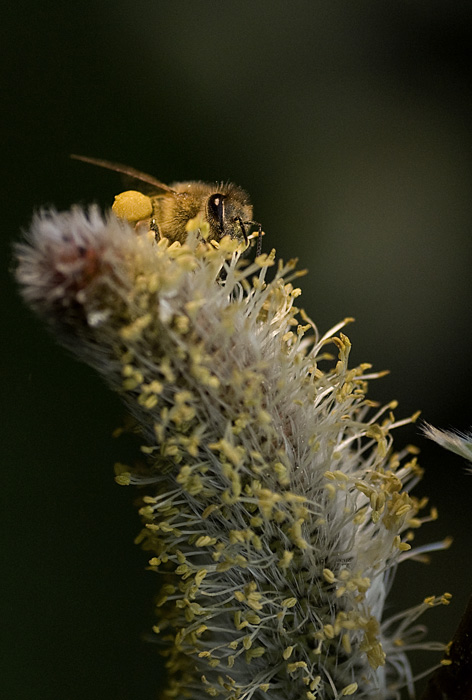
132,206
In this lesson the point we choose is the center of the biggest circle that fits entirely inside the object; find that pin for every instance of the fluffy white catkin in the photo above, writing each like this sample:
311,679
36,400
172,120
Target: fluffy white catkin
276,508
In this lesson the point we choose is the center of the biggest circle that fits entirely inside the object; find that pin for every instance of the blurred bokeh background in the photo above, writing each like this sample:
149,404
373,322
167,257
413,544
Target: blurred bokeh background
350,125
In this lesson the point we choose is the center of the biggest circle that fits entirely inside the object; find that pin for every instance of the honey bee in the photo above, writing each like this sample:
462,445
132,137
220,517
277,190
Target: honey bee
225,207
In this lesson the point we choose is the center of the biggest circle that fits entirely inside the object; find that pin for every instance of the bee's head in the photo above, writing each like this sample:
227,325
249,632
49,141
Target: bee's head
229,213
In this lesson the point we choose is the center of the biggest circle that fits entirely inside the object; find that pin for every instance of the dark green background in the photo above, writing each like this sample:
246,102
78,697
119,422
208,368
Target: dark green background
350,125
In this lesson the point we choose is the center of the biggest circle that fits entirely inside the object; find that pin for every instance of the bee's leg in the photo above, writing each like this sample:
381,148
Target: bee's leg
259,235
243,229
259,241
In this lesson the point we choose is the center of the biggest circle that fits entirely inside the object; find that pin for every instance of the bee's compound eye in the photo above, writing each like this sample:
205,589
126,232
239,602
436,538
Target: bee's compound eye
216,209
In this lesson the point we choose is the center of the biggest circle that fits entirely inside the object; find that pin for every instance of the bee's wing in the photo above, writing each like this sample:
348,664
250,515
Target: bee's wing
125,170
